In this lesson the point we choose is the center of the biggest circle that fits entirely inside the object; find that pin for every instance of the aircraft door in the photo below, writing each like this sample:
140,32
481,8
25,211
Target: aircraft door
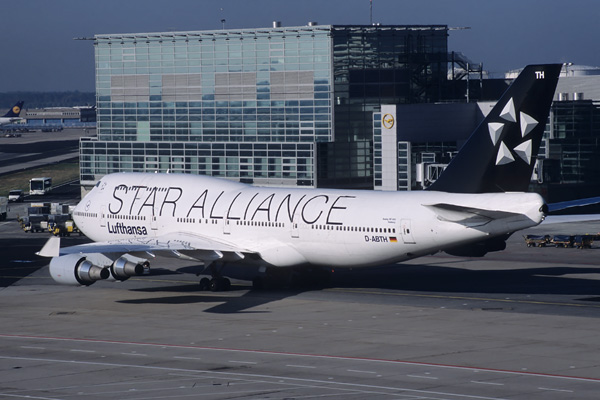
295,230
103,216
294,224
406,231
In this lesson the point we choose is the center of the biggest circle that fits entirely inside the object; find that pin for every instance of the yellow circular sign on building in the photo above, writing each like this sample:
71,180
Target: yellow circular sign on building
388,121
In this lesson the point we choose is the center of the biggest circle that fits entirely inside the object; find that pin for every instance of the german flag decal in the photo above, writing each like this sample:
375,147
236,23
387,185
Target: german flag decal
393,239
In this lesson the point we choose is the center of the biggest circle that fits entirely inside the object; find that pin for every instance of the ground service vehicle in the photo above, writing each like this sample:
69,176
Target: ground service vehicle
35,223
15,196
583,241
40,186
563,240
61,225
537,240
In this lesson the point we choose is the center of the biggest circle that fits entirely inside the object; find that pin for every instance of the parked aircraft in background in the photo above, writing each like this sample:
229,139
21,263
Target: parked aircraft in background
13,114
472,209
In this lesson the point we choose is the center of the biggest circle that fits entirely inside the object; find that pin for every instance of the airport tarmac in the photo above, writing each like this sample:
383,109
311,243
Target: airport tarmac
517,324
36,148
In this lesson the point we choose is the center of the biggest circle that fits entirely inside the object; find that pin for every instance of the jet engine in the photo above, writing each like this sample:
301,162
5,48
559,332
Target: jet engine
75,269
123,268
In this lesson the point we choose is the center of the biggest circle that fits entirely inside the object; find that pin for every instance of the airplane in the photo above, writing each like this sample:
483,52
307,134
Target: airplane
478,201
13,114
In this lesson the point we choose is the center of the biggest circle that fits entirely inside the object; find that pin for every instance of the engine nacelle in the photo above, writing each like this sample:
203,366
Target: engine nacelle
122,269
75,269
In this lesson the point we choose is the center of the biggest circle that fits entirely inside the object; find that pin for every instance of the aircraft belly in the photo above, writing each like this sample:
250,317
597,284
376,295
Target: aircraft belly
352,251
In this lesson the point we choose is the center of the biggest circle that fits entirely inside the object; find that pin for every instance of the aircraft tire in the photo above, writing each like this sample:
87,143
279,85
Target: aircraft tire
204,284
226,284
219,284
258,283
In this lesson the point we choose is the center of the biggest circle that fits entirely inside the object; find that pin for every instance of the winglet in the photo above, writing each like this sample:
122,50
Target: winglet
51,248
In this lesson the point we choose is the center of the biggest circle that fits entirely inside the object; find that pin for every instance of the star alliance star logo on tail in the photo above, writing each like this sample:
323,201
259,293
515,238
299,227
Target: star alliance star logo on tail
527,124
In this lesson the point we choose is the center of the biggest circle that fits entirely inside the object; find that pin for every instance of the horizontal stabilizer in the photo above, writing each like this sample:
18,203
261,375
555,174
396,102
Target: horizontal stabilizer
469,216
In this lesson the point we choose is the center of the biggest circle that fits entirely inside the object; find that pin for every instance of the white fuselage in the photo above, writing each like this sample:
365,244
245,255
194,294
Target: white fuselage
288,227
9,120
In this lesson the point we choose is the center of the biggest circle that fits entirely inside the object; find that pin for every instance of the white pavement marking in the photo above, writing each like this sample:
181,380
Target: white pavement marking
316,356
28,397
556,390
361,372
421,376
488,383
300,382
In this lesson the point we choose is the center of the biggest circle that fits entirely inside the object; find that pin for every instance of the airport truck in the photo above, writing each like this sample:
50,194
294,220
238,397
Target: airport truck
35,223
40,186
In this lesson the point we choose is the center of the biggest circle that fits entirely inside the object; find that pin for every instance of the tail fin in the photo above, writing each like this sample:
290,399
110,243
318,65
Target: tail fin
15,110
500,154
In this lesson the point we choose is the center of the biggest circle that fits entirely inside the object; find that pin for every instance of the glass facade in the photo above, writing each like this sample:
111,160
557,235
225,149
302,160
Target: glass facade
574,143
256,105
384,65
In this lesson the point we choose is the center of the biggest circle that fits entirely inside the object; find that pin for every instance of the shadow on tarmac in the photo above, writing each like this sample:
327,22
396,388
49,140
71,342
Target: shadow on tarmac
432,278
436,277
420,279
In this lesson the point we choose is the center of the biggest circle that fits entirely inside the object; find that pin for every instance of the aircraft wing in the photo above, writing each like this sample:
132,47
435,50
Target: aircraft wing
180,245
553,207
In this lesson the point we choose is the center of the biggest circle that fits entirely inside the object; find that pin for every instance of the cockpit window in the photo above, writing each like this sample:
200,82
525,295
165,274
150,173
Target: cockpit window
98,183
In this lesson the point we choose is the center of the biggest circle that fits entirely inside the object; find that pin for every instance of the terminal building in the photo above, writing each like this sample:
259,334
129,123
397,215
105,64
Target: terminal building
275,106
63,117
571,155
55,118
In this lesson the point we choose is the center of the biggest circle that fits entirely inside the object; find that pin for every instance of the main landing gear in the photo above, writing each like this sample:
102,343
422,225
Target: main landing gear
218,283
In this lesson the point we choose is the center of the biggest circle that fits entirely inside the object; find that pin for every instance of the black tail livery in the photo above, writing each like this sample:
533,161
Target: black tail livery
500,154
14,110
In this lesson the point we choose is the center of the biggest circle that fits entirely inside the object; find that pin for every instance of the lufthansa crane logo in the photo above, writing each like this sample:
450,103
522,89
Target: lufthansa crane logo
388,121
16,109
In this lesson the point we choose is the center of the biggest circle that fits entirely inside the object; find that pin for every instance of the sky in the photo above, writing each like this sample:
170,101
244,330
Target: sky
38,53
